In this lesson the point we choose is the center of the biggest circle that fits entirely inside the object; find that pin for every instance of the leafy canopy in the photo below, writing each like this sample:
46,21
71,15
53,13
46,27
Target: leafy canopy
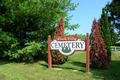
32,20
113,13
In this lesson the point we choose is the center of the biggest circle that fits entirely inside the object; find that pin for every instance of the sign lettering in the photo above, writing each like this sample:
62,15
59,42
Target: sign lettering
67,47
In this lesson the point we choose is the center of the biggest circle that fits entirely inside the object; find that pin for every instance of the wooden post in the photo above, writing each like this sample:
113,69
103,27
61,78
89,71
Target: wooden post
87,53
49,53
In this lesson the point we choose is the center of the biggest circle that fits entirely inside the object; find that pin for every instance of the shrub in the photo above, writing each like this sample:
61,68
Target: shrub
6,42
25,54
10,48
60,59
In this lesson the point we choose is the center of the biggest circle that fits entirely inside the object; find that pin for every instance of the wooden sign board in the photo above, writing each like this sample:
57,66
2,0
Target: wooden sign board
67,45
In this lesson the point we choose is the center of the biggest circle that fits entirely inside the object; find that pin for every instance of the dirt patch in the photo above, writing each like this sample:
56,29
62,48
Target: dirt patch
58,68
76,70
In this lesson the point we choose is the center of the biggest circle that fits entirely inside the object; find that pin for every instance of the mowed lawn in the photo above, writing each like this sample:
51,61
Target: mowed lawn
74,69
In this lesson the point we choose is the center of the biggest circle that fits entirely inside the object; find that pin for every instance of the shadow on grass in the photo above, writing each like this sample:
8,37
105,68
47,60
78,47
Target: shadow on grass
112,73
4,61
76,63
62,67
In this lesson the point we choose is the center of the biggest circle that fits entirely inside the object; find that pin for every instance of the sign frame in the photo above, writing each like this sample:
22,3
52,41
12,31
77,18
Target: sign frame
69,38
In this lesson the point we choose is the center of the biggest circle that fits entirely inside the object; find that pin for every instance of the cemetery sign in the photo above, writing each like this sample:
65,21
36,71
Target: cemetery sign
67,45
67,48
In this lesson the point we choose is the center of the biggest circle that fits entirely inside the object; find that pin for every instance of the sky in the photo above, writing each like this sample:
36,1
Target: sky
84,15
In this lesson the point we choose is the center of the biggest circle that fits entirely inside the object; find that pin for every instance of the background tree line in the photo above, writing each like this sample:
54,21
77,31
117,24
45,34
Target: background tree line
113,13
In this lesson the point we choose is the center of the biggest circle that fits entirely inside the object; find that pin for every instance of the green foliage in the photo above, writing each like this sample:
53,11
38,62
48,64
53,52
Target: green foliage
82,36
105,32
65,58
29,52
79,35
7,42
114,9
114,37
26,21
9,47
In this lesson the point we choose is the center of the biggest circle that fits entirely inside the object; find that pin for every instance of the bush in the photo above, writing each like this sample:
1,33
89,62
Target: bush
25,54
6,42
10,48
59,58
29,52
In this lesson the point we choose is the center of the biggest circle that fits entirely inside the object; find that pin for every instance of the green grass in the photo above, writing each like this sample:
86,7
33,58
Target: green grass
74,69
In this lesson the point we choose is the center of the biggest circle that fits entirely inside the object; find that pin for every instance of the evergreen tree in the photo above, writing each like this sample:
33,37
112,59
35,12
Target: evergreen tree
98,53
105,32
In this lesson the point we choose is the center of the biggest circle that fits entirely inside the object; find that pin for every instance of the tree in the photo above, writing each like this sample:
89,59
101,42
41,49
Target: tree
79,35
98,53
26,20
82,36
57,58
114,37
113,13
105,32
